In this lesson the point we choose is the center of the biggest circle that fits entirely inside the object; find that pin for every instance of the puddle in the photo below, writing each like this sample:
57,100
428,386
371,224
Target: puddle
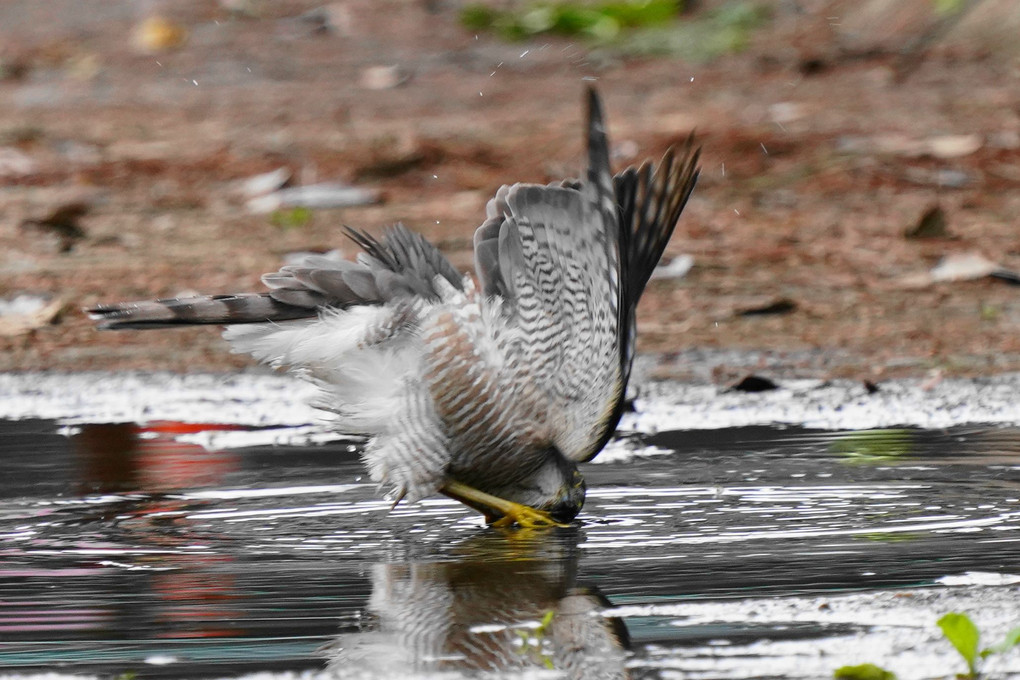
166,548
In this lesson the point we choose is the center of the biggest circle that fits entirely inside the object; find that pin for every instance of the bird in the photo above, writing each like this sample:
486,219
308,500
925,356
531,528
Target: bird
487,389
473,612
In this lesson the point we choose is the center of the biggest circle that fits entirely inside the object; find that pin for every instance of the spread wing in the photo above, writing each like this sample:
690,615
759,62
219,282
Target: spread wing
570,262
553,254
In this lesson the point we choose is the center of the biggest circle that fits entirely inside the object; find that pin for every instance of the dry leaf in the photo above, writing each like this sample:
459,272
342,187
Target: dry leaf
24,313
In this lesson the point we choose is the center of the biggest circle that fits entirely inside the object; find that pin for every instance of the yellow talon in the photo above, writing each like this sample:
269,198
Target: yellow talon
526,518
508,512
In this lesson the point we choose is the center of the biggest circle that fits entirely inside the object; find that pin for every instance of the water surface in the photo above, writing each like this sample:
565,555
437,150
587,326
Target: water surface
728,553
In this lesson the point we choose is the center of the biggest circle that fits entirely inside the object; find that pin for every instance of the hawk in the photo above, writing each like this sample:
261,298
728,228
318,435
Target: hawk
489,392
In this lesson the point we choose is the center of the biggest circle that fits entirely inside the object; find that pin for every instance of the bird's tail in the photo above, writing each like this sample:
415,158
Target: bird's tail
198,310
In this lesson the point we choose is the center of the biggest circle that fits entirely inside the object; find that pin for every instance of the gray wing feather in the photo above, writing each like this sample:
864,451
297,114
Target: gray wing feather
510,256
487,265
538,241
651,199
557,260
410,255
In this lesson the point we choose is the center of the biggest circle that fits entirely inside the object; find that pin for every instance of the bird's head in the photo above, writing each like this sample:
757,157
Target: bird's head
557,487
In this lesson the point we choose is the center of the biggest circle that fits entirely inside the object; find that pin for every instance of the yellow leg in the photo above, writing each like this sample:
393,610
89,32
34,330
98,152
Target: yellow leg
507,512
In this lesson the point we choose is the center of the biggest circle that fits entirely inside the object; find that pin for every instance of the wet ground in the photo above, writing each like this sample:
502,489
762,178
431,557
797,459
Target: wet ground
166,548
827,140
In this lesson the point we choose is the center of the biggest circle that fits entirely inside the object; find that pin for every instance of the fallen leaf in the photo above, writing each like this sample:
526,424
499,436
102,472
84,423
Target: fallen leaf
941,146
26,312
864,671
383,77
1009,276
314,197
948,178
954,146
260,185
777,306
62,224
15,163
931,225
932,381
246,8
963,267
754,383
158,34
677,268
333,18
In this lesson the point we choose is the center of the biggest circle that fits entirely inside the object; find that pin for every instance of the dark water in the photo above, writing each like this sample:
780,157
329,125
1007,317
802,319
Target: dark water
733,553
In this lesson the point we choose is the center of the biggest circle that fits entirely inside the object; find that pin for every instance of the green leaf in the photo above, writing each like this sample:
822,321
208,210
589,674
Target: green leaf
865,671
290,218
874,445
964,635
478,17
1012,640
600,21
945,7
646,13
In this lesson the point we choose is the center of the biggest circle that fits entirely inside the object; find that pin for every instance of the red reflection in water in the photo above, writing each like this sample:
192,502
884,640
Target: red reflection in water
188,595
125,457
197,601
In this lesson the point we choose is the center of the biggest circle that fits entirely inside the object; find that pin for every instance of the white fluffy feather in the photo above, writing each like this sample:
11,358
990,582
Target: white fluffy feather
308,343
362,375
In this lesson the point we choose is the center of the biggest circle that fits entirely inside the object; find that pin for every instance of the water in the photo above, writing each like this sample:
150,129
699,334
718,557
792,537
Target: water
736,552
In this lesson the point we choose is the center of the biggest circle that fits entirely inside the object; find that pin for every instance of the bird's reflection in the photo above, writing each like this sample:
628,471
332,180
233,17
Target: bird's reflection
503,603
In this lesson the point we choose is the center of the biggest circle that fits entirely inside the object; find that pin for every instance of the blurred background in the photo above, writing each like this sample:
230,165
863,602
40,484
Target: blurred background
857,214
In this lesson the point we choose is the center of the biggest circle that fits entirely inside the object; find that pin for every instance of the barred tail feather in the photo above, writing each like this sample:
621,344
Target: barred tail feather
197,310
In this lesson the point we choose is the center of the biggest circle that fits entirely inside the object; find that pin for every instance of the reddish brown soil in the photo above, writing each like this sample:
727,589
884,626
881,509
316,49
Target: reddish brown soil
806,191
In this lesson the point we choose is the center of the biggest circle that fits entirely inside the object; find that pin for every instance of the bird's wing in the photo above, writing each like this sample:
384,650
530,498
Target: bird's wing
649,200
553,255
402,265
